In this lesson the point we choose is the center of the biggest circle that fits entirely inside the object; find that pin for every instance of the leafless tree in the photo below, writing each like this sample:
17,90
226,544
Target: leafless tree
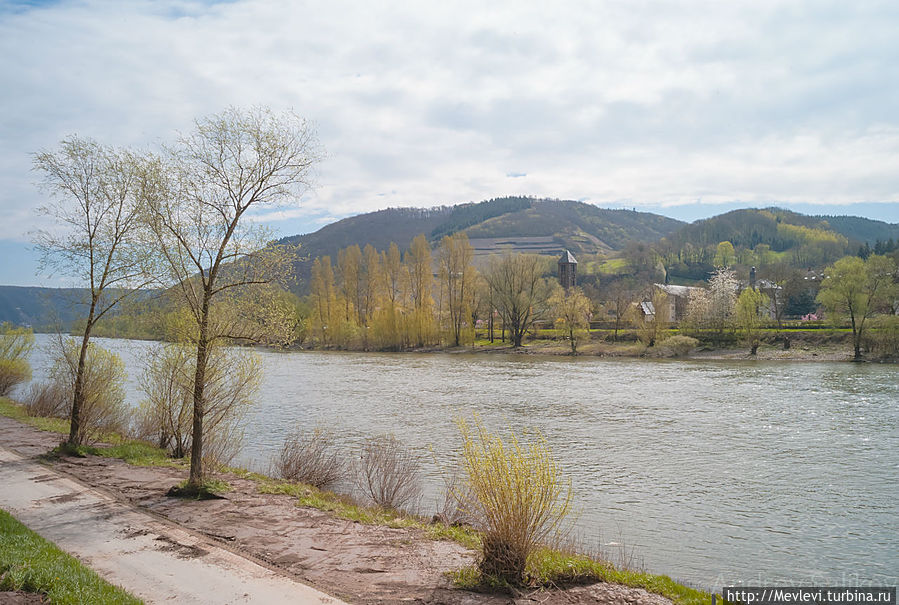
519,292
96,194
215,256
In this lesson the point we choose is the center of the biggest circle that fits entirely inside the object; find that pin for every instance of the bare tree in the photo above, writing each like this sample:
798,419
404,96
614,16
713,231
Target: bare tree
95,201
519,291
231,164
457,277
621,295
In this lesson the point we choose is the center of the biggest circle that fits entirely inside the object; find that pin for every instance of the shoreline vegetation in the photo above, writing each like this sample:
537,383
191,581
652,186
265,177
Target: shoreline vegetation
818,343
559,571
827,344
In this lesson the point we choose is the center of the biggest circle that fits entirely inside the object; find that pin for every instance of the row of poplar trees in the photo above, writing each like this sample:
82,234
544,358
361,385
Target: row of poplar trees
391,301
385,300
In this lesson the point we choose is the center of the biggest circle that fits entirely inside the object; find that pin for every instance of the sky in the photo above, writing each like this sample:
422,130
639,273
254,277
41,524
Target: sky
684,108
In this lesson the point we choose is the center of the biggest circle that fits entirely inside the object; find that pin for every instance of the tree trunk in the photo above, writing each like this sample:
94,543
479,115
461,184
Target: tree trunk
75,436
196,448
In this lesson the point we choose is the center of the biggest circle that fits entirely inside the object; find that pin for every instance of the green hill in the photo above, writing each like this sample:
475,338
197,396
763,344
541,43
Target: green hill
509,222
862,230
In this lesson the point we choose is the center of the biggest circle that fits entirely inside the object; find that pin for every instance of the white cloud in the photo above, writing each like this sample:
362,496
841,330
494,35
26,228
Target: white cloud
649,102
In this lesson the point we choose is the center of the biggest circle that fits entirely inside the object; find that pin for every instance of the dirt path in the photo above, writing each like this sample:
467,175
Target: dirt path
355,562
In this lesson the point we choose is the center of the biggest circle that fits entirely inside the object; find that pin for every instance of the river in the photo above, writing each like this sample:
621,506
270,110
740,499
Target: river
714,473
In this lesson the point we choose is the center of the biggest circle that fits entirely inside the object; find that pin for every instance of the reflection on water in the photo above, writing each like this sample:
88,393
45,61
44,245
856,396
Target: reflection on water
713,472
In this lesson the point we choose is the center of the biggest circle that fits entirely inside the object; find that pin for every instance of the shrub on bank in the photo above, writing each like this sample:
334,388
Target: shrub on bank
676,346
388,473
519,498
104,409
882,338
166,416
15,345
310,458
47,400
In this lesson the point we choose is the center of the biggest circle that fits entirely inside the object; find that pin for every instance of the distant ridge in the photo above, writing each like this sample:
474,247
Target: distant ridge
519,223
42,308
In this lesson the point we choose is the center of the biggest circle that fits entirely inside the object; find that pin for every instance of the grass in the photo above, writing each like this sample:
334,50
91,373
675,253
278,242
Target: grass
17,412
137,453
343,507
31,564
550,567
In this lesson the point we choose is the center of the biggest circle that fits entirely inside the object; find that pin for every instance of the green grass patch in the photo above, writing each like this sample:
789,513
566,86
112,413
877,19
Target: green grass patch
137,453
32,564
343,507
548,568
211,489
17,412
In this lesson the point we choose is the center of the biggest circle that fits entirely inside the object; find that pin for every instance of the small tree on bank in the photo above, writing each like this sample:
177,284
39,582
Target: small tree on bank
857,289
216,259
516,492
751,312
572,311
518,291
97,195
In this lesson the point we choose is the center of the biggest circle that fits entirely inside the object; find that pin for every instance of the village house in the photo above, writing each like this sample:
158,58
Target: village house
678,300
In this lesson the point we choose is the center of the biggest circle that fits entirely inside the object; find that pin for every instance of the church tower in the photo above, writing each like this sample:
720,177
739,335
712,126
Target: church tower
568,270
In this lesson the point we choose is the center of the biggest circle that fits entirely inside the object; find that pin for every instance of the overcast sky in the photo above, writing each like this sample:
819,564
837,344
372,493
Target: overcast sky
651,105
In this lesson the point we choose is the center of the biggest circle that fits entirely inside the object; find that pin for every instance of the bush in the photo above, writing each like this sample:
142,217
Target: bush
104,409
882,338
47,400
15,345
310,458
677,345
389,474
519,497
453,507
166,416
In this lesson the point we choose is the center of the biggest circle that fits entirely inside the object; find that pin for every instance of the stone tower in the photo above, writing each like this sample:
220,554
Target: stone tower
568,270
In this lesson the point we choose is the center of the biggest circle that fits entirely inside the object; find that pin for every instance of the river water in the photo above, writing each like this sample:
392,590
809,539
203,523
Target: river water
714,473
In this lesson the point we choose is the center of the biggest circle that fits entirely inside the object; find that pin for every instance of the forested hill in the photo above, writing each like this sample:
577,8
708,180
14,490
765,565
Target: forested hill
42,308
782,230
582,228
862,230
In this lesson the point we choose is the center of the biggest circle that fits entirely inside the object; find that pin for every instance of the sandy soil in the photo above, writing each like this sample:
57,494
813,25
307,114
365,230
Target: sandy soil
355,562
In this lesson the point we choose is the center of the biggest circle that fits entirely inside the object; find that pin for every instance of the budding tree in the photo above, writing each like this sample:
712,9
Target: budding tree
572,310
217,259
96,194
857,289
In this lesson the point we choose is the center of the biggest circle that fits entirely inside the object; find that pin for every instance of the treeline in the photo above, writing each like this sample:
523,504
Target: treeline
388,300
